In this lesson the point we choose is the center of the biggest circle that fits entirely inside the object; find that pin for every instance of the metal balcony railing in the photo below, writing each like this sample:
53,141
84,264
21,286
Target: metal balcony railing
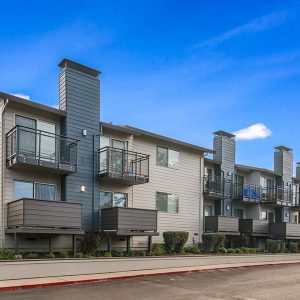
123,165
246,191
216,185
278,194
37,147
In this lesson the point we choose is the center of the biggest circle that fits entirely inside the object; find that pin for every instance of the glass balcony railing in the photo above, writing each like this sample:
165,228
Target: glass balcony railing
27,146
250,192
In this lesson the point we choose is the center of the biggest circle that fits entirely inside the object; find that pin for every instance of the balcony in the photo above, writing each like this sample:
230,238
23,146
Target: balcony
224,224
216,187
43,216
247,192
123,166
277,196
285,230
32,148
128,221
254,227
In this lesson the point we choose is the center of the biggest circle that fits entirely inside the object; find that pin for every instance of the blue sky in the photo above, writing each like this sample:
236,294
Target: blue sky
179,68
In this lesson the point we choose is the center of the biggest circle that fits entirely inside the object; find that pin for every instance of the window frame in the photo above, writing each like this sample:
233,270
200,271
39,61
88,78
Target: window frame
168,194
34,189
168,162
211,210
113,194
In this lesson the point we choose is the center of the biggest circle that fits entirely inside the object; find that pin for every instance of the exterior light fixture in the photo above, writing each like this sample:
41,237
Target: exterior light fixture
84,132
82,188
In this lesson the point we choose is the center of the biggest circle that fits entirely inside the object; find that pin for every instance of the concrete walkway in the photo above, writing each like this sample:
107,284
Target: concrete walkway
135,268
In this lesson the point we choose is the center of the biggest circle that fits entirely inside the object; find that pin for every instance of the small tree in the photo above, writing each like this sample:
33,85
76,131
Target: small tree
212,241
175,241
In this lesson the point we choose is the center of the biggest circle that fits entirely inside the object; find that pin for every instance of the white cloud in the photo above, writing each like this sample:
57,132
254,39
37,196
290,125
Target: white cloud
55,106
264,23
255,131
27,97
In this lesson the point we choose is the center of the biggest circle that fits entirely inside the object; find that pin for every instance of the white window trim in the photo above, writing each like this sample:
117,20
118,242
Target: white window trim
168,149
113,193
167,212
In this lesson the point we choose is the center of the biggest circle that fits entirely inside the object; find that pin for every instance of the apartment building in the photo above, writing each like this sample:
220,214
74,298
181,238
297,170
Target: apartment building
244,199
64,173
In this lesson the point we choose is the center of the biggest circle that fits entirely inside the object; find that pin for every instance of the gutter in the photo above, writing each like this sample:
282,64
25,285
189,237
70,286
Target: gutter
2,173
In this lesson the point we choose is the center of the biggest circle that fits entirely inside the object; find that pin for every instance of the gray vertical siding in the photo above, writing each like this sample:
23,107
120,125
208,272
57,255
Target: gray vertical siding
80,97
283,164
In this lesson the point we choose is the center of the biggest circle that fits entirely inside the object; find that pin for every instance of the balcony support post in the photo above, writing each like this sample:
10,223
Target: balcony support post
50,243
16,243
74,244
127,244
149,243
109,243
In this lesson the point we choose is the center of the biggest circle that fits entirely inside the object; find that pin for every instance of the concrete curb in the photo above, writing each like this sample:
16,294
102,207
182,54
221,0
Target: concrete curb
12,285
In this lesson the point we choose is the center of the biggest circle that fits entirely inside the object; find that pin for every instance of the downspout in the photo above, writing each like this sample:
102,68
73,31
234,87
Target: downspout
201,215
2,173
223,200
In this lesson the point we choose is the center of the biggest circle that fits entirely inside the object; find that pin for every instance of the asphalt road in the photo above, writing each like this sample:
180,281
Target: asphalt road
268,282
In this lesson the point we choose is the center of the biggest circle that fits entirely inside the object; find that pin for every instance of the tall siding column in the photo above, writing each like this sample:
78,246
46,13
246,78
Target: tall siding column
79,92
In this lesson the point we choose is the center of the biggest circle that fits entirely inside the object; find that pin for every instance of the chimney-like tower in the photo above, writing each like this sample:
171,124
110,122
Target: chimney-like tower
283,163
298,170
224,145
79,96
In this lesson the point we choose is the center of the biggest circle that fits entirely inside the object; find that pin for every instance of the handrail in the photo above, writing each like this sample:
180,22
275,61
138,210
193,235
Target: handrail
216,184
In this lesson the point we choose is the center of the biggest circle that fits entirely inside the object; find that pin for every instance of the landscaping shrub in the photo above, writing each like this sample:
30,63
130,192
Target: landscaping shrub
243,240
64,254
129,253
32,255
293,247
273,246
175,241
117,253
192,250
157,250
212,241
238,251
6,254
90,243
230,250
140,253
107,254
245,250
18,256
222,250
79,255
50,255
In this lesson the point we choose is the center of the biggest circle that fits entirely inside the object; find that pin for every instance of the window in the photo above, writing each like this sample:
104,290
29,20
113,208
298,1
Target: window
239,213
104,141
209,172
208,211
264,215
23,189
30,138
167,158
41,191
111,199
167,202
44,191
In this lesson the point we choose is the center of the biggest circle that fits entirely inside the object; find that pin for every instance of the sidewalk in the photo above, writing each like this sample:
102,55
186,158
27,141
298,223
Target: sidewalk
207,263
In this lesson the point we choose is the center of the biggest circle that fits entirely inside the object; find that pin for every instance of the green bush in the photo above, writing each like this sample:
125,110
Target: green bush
6,254
90,243
175,241
157,250
78,255
129,253
117,253
230,250
238,251
64,254
192,250
222,250
273,246
107,254
212,241
18,256
245,250
294,247
253,250
50,255
32,255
